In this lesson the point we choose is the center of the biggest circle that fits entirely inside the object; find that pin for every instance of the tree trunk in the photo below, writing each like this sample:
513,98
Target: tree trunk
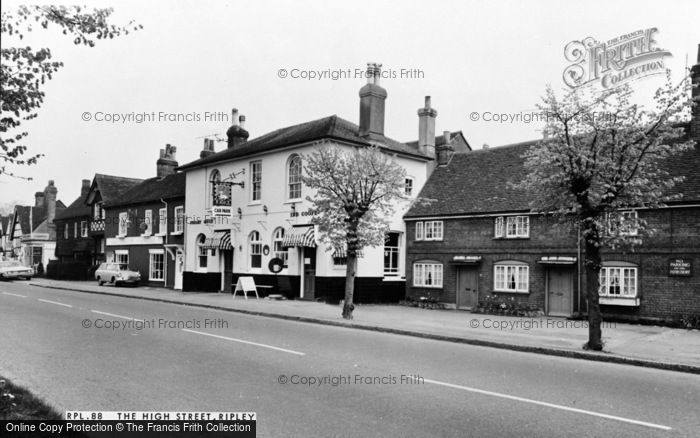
592,265
348,307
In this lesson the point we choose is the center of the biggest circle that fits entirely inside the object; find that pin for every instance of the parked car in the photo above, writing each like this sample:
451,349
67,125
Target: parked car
10,269
116,273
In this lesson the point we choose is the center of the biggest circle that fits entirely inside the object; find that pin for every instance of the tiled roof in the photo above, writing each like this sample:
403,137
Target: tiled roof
76,209
439,140
152,189
111,187
332,127
480,182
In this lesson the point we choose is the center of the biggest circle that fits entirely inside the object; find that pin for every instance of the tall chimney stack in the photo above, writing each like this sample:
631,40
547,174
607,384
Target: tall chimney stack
39,199
372,97
166,164
85,188
236,134
426,128
208,148
695,117
445,151
50,204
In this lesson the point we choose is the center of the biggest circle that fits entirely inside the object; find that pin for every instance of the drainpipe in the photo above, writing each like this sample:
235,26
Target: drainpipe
578,267
165,251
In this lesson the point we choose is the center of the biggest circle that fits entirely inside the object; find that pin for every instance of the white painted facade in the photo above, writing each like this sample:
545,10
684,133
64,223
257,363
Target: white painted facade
274,198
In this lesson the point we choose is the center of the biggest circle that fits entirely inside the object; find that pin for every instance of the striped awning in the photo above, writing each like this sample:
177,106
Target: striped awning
299,236
220,240
557,260
341,252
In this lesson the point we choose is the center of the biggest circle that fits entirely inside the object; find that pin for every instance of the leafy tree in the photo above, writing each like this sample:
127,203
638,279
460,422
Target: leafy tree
356,191
25,70
601,155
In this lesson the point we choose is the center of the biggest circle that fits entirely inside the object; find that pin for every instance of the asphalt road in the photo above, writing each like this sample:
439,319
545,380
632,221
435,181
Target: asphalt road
222,361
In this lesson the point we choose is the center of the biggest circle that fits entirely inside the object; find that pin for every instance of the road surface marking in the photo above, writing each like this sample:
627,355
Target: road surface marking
115,316
550,405
14,295
246,342
54,302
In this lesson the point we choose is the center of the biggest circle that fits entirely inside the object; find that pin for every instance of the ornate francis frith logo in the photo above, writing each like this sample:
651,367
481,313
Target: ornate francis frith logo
612,63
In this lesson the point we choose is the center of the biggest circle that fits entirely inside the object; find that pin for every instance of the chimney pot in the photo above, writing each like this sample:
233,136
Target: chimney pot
85,187
166,164
426,128
234,116
372,102
447,136
241,120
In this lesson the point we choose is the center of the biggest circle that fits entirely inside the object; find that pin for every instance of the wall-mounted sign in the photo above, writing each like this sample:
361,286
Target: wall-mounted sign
266,250
276,265
220,210
680,267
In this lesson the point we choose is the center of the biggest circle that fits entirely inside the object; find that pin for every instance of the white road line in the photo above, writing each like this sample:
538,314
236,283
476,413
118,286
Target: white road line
549,405
55,302
14,295
246,342
115,316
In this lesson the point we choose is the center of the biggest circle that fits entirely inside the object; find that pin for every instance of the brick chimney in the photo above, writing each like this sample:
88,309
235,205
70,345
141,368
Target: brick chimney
39,199
208,148
237,135
166,164
695,118
426,128
446,150
372,97
85,188
50,204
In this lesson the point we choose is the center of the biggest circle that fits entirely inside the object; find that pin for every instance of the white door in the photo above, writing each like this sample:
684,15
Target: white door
179,268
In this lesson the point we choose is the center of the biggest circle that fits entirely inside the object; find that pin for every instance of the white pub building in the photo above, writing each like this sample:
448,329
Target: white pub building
246,206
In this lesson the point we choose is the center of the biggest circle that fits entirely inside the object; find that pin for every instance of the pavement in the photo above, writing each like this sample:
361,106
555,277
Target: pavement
98,352
634,344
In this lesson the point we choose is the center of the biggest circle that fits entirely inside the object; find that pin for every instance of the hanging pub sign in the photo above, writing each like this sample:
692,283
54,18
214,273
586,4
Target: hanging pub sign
680,267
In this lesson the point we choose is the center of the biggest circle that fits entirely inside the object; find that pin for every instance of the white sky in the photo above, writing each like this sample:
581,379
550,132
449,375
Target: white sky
197,56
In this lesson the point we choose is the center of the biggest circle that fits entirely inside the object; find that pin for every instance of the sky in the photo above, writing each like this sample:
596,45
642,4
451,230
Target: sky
200,59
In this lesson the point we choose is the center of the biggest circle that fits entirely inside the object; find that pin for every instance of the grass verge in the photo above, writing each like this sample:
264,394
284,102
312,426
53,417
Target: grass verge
17,403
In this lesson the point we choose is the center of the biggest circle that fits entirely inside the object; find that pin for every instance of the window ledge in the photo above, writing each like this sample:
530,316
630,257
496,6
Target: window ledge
176,233
511,291
391,278
619,301
293,201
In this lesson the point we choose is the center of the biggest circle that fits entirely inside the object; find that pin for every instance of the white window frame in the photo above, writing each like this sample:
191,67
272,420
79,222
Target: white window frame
65,231
394,253
83,229
277,249
148,220
254,249
152,256
499,227
521,281
514,227
179,213
121,256
433,230
419,231
291,184
626,220
624,278
123,224
75,230
408,186
256,181
428,274
162,221
202,253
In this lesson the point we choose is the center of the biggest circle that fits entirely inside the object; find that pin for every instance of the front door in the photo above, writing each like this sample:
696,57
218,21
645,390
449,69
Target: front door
309,261
228,269
467,287
179,268
560,285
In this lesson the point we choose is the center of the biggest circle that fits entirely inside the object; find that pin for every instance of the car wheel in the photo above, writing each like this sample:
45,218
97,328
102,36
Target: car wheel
100,282
114,281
